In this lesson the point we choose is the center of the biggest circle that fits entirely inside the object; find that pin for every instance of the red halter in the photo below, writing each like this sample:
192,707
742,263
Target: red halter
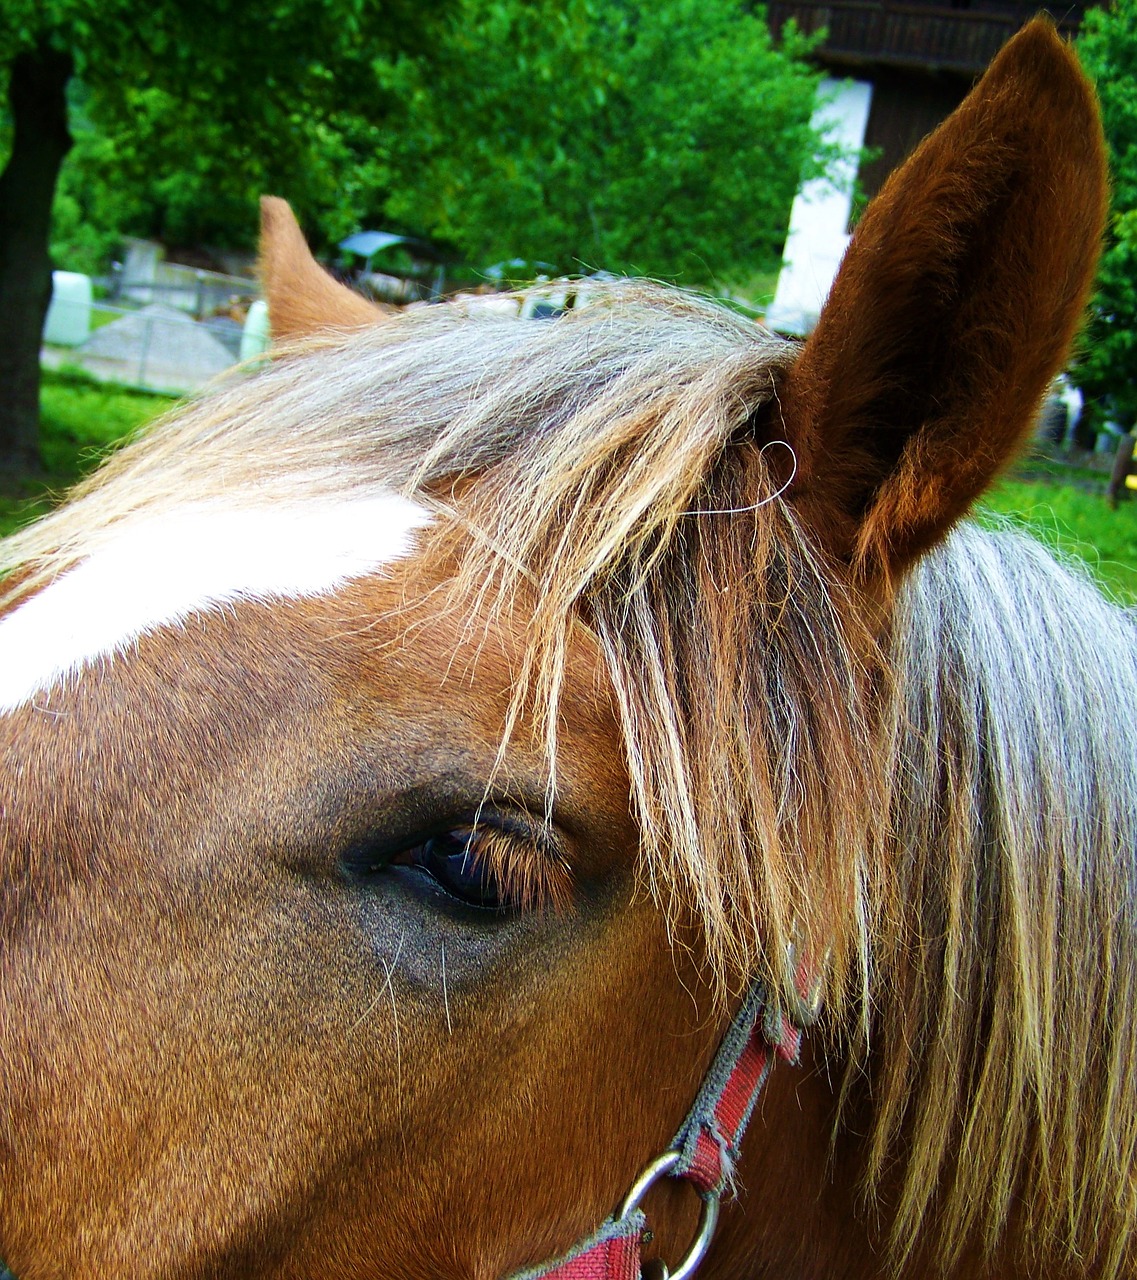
705,1149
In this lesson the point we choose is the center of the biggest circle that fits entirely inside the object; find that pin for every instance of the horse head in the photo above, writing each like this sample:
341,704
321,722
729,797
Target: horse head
411,753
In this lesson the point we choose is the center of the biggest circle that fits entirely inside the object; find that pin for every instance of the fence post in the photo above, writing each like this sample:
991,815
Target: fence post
145,351
1122,460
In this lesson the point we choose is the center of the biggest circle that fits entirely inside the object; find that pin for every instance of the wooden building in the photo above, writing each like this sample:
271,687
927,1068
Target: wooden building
920,56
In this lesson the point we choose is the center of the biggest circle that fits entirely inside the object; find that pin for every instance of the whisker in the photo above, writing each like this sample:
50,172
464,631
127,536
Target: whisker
445,997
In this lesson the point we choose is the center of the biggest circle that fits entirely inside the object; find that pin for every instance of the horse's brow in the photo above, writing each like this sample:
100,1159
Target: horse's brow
159,571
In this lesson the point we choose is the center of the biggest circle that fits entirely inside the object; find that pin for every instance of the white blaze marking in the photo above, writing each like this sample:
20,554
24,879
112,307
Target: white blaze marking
158,571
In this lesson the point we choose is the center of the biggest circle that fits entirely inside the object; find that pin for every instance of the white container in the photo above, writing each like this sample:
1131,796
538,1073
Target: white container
68,322
256,335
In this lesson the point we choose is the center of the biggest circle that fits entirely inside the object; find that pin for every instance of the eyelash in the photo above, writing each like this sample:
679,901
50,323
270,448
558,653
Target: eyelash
520,877
529,877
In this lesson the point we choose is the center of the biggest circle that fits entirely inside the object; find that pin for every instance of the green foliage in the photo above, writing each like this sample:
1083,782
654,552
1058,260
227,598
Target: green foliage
93,205
664,139
148,169
1107,368
184,114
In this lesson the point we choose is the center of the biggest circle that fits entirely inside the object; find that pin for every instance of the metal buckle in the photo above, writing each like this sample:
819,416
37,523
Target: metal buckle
660,1167
806,1005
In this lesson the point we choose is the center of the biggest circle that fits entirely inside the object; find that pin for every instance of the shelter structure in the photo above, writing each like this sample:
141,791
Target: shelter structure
921,57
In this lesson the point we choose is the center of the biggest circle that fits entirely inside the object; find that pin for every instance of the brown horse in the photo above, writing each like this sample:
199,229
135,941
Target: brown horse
411,753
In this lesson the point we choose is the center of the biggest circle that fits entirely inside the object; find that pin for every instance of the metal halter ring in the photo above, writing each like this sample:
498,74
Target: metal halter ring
660,1167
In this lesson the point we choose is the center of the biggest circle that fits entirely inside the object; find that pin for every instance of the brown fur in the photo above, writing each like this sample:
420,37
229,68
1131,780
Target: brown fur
226,1056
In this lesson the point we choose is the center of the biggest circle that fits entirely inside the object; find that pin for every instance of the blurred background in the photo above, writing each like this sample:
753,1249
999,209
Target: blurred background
465,147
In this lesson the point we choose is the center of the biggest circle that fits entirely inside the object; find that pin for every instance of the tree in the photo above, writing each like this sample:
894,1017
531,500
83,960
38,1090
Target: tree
663,138
223,88
144,171
1107,367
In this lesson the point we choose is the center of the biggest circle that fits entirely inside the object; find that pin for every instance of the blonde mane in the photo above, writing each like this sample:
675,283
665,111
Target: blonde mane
1007,982
607,467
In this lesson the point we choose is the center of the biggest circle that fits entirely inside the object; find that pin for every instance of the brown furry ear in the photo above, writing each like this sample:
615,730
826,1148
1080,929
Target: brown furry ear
302,297
955,305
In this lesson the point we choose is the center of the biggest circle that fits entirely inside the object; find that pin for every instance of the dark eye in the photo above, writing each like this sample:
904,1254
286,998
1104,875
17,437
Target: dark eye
457,862
503,863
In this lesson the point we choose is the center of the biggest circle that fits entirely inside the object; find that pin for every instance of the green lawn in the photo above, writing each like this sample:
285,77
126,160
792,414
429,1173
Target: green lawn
80,421
757,288
1075,523
83,419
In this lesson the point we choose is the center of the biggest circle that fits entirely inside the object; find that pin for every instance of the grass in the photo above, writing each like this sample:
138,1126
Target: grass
757,288
80,422
83,419
1075,524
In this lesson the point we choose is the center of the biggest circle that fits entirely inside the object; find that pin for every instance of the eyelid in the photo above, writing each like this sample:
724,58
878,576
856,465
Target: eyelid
374,848
537,833
522,852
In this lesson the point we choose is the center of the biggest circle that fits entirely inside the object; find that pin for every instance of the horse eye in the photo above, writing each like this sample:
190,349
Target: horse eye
454,860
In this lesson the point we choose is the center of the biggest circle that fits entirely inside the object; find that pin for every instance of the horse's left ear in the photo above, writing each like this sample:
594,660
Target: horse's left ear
956,303
302,298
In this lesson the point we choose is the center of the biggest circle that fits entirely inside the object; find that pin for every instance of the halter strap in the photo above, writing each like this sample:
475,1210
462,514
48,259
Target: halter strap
706,1148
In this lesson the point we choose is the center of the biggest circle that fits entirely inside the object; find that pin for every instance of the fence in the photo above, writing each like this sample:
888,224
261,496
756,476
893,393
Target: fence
146,277
198,293
154,347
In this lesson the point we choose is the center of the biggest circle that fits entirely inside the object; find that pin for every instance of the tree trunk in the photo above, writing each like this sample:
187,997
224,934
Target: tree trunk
41,140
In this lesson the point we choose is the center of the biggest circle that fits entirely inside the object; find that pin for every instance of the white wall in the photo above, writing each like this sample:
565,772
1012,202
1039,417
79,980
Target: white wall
816,240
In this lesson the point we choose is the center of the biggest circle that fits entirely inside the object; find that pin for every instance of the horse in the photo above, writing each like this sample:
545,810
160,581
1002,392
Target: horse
417,755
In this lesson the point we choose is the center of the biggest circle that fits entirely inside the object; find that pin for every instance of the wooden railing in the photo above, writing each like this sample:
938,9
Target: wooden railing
928,36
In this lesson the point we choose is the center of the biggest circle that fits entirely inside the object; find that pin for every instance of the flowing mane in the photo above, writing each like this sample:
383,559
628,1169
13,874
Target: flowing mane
1007,1026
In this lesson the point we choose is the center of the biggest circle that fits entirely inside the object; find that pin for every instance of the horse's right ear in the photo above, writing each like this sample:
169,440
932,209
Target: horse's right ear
956,304
302,298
